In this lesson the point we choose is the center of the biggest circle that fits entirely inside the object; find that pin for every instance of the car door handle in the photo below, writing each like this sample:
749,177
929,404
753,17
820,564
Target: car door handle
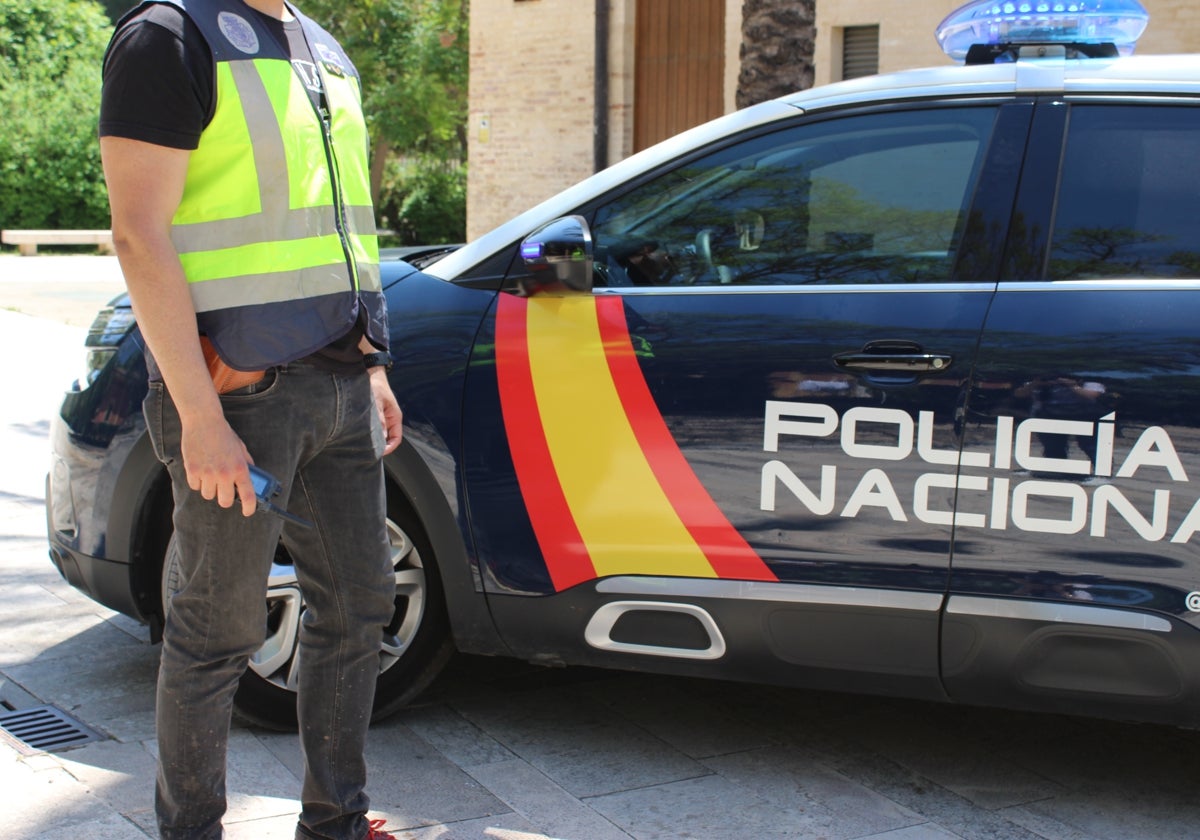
893,357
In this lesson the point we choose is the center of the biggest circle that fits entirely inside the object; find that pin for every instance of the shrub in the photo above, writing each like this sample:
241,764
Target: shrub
50,55
424,200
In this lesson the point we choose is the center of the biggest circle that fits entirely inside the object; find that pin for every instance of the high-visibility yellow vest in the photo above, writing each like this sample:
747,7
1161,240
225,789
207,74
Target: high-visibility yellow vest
276,229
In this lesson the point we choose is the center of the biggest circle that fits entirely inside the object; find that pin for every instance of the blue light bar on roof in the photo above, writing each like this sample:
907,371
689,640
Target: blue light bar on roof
1015,22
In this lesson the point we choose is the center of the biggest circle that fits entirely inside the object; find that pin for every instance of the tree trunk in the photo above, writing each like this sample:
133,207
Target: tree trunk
777,49
379,156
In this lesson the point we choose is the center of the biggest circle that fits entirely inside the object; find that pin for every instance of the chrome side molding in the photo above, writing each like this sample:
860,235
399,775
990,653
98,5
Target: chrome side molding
1057,612
784,593
847,596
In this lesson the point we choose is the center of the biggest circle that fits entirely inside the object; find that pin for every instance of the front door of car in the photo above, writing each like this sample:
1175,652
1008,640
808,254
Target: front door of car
759,399
1075,563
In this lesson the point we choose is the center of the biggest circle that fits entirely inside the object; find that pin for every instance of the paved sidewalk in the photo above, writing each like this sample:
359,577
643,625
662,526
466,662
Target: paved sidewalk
65,289
506,751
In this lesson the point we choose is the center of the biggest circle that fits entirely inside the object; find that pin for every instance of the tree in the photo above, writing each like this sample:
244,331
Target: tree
412,57
777,49
50,54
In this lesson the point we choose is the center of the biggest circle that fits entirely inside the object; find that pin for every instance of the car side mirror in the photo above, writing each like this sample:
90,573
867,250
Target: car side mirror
559,256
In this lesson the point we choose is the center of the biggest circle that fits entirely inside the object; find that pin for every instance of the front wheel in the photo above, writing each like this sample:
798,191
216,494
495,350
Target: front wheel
415,646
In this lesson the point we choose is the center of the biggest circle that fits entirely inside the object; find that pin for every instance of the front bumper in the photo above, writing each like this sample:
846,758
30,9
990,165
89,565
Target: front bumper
105,581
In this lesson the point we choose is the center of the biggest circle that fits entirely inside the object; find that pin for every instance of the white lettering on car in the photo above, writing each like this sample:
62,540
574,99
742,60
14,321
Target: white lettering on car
885,434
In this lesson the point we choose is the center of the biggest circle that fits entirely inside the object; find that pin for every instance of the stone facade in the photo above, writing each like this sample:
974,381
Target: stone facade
530,112
532,95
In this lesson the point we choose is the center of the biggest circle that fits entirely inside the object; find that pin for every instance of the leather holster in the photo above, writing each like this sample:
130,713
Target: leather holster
225,378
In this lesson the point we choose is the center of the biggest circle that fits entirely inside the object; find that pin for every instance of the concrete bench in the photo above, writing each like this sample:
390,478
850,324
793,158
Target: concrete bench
27,241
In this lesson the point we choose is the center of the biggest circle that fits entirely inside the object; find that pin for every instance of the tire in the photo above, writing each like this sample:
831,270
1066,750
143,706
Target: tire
416,643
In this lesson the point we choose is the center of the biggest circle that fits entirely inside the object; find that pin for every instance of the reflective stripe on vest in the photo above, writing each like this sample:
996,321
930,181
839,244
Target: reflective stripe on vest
241,237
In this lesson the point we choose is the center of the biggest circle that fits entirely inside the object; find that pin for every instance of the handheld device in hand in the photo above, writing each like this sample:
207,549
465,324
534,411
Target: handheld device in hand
266,487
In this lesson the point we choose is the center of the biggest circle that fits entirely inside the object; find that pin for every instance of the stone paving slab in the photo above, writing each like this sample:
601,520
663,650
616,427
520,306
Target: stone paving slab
698,808
786,777
415,785
586,747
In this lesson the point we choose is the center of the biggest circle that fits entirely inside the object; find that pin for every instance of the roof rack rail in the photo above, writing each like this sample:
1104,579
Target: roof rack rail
1007,53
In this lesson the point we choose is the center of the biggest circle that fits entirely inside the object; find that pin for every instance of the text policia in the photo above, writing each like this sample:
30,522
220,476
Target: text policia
1012,498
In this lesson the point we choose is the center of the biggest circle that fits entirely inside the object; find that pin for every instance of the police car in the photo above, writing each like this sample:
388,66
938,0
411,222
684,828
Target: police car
889,386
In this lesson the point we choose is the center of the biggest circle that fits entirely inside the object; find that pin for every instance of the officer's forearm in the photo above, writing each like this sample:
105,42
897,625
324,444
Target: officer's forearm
145,184
163,308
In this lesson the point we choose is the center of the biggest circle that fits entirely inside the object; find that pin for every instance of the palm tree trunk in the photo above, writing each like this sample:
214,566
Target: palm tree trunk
777,49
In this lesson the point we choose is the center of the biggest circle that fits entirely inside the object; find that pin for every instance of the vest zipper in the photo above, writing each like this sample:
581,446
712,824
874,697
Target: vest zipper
335,176
339,208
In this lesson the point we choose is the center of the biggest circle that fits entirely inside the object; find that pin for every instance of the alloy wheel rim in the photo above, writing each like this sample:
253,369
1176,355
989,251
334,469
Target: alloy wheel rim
277,661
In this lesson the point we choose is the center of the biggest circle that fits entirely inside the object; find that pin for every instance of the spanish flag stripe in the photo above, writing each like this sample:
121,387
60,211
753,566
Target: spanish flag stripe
562,546
726,550
622,512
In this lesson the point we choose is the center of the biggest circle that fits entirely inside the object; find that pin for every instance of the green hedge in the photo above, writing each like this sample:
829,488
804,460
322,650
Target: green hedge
50,55
424,200
50,173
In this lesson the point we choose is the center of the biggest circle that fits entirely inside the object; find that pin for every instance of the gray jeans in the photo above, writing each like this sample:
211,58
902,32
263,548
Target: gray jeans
320,435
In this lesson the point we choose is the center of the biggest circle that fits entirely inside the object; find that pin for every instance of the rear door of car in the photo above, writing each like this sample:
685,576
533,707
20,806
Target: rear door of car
757,407
1075,568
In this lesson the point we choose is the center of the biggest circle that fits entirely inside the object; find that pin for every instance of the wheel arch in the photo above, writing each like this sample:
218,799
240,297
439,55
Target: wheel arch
470,619
142,499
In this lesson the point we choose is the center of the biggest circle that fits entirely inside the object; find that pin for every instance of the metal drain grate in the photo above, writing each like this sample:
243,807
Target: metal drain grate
45,728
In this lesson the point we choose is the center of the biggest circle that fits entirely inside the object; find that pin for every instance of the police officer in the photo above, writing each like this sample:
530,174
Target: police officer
235,154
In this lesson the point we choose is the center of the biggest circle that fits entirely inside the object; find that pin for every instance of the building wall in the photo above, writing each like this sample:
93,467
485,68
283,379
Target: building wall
905,40
733,50
530,105
531,91
1174,27
621,54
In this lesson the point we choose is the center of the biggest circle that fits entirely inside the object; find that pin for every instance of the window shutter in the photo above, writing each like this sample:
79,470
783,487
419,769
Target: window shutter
860,51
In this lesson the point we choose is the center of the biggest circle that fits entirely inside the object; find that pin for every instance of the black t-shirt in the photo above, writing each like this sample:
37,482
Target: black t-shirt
158,88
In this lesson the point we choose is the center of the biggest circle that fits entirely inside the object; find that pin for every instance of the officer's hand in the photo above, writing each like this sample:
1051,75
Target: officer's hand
216,461
390,415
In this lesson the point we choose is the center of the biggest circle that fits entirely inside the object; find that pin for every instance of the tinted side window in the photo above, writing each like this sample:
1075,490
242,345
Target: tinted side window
878,198
1129,194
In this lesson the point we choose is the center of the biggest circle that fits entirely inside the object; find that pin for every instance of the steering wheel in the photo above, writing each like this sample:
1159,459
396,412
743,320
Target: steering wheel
705,254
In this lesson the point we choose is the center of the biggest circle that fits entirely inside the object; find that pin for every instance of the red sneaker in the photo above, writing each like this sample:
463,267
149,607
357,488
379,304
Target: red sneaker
375,831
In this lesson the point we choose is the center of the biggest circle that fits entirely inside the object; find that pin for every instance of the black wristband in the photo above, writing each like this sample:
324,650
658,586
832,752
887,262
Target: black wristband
371,360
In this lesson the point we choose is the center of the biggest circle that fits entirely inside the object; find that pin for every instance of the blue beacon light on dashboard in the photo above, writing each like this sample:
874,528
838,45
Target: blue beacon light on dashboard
1019,22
